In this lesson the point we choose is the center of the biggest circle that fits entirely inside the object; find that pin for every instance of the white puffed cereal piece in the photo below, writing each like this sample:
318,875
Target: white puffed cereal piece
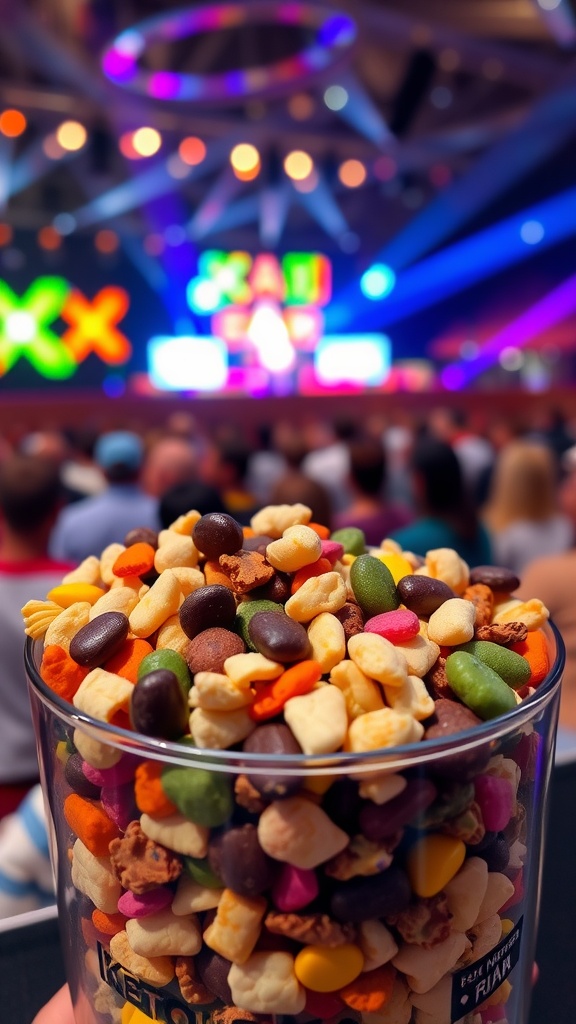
425,967
445,564
484,935
412,697
245,669
465,893
273,520
66,625
236,928
216,692
161,601
119,599
192,898
385,728
87,572
107,559
175,550
220,729
298,546
94,877
101,694
190,579
327,640
498,890
378,658
377,943
157,970
382,787
299,832
177,833
533,613
185,523
453,622
360,693
436,1003
266,983
172,635
94,752
37,617
318,719
325,593
420,653
164,934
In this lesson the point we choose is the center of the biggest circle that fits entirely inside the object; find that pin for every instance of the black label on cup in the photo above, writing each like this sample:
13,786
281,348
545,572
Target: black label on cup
472,985
158,1004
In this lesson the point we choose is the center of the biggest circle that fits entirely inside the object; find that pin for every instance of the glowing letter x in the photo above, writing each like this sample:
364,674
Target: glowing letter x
24,328
93,325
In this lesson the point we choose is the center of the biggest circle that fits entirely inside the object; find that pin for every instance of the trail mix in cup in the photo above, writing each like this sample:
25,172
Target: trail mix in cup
356,896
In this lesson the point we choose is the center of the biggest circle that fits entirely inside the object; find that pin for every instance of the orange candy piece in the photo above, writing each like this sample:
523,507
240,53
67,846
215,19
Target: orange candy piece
369,992
295,681
60,672
126,661
90,823
148,792
535,649
317,568
135,560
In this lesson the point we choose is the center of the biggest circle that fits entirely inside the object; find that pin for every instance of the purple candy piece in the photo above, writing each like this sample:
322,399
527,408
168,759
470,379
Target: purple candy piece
294,888
117,775
332,550
495,798
146,903
118,802
377,821
492,1014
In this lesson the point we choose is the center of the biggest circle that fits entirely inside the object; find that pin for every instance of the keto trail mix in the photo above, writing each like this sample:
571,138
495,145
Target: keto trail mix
381,897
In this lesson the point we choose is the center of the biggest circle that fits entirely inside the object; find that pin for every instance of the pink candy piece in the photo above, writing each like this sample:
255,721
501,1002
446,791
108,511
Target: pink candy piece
395,626
323,1004
147,903
117,775
492,1014
118,802
332,550
496,801
294,888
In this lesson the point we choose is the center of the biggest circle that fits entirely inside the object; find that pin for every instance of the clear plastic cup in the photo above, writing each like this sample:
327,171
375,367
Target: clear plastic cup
463,952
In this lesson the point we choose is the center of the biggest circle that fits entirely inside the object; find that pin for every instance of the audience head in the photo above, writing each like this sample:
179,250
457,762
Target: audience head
437,476
30,494
294,488
169,461
524,484
226,462
119,454
367,472
183,498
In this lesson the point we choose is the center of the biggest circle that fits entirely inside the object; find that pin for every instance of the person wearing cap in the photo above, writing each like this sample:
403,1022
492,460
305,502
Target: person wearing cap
88,526
552,579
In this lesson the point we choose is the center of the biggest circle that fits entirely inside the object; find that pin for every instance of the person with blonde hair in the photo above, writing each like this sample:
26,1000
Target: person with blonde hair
522,511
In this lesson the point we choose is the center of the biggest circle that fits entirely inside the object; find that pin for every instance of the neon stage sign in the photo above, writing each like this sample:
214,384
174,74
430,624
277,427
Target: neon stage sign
27,327
266,331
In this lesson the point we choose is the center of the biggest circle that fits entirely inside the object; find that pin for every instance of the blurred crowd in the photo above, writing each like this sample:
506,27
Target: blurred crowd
497,492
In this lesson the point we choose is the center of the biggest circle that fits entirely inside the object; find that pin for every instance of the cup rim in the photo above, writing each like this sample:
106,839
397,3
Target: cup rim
339,762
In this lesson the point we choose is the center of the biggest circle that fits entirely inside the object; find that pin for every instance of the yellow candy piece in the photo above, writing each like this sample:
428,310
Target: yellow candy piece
507,926
433,861
501,995
69,593
325,969
319,784
62,752
133,1015
398,565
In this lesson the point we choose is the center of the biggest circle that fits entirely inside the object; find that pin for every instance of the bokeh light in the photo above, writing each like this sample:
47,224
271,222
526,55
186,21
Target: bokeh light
6,234
154,244
301,106
192,151
48,238
106,241
335,97
298,165
352,173
71,136
245,161
146,141
385,168
12,123
52,147
532,232
378,281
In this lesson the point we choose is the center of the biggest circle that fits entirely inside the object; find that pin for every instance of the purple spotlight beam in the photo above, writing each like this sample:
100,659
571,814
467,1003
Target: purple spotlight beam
555,306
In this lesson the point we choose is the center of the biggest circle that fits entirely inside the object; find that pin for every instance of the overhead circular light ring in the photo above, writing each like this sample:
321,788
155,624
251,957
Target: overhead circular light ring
334,33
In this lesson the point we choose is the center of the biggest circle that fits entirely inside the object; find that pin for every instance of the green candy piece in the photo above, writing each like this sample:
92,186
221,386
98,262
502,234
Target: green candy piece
373,585
202,796
511,667
166,658
351,538
199,869
478,686
245,611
